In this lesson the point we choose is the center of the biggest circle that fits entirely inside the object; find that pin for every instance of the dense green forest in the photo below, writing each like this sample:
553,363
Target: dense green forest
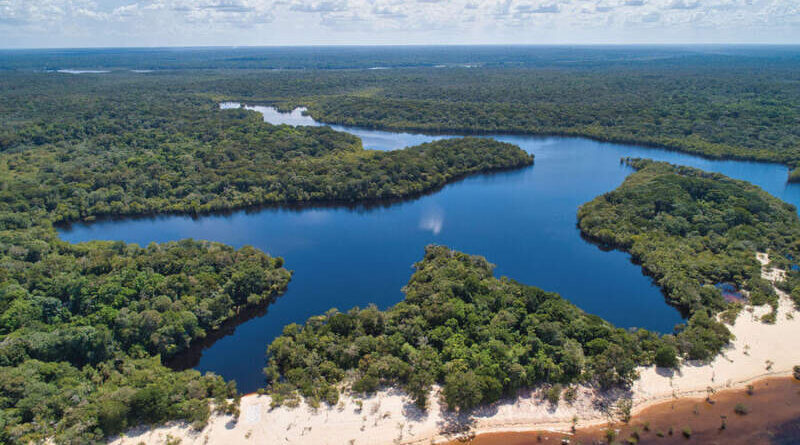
482,338
117,153
725,102
478,336
692,230
743,112
85,328
328,57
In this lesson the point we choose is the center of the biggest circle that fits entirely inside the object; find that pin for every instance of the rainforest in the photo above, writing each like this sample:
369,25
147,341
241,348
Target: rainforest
87,328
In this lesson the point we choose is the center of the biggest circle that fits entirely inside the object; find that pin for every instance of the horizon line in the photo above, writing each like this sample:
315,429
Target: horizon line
407,45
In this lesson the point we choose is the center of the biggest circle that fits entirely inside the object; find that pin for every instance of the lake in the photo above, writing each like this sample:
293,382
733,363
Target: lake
524,221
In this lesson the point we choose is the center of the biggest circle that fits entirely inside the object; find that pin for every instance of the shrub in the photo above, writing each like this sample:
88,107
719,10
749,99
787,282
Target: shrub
553,394
624,407
570,394
666,357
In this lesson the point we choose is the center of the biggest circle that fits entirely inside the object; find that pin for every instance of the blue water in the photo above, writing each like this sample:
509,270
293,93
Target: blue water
524,221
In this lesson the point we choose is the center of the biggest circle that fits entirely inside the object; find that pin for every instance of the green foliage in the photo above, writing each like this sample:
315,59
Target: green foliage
666,357
571,394
159,155
624,408
84,328
85,325
84,303
478,336
794,175
553,394
691,230
731,109
42,399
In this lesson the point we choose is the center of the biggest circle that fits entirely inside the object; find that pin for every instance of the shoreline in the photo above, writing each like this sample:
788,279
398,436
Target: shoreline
464,132
565,428
759,351
713,420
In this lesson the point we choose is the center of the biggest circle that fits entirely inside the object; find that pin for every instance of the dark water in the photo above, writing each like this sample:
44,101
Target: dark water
524,221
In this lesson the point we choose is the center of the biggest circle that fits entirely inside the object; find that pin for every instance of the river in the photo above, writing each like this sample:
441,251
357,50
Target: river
524,221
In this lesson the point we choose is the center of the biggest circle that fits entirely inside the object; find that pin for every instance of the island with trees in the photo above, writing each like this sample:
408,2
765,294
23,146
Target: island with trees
479,337
693,231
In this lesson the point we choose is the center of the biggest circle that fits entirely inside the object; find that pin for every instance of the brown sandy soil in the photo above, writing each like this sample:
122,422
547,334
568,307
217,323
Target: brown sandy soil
772,417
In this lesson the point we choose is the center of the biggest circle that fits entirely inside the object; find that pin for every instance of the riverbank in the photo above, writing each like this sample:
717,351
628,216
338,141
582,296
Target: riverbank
766,412
758,351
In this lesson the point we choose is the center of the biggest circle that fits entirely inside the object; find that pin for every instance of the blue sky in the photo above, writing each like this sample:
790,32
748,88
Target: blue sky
93,23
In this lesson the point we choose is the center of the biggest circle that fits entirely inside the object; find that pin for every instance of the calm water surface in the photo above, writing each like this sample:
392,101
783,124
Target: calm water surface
524,221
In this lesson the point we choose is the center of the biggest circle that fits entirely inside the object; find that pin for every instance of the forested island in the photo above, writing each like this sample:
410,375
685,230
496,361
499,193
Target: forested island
692,231
478,336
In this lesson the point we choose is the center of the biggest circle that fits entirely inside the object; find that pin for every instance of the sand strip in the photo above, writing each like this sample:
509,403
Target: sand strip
760,350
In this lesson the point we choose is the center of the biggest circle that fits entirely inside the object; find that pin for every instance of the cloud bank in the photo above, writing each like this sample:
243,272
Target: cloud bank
54,23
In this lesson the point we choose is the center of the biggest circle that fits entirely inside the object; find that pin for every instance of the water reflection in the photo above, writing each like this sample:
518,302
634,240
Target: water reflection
432,220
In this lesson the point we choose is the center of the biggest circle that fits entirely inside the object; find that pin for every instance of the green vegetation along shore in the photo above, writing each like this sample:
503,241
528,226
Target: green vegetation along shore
724,109
482,338
157,154
478,336
736,103
85,328
692,230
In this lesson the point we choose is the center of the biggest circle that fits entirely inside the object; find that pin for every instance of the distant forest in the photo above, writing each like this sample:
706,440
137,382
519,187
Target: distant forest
716,101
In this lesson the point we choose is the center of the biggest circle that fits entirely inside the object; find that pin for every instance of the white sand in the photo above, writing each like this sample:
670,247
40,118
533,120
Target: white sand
759,350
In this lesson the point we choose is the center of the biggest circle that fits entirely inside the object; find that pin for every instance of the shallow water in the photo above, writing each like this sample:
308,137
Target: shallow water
524,221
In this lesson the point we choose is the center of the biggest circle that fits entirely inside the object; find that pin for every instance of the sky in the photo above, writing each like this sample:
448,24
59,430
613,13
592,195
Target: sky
146,23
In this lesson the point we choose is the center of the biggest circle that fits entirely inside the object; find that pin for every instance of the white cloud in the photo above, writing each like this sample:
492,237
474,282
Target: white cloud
651,17
547,8
319,6
684,4
212,22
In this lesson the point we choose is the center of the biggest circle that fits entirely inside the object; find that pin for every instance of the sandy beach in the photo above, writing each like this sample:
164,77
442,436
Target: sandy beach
759,350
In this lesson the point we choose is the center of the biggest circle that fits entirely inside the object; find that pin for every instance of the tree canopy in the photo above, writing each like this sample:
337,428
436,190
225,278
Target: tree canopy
478,336
692,231
85,328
